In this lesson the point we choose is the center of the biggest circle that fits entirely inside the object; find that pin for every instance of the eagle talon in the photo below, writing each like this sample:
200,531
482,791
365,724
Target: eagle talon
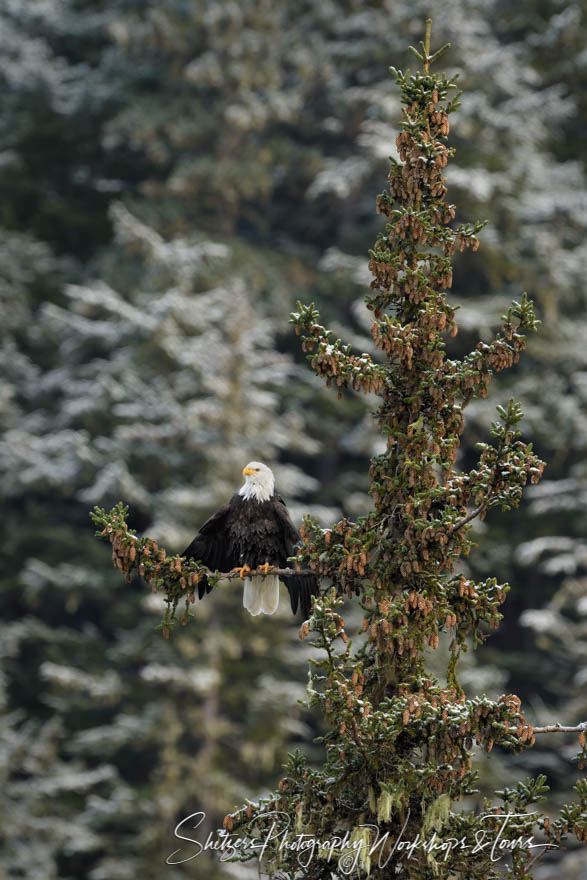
265,568
243,570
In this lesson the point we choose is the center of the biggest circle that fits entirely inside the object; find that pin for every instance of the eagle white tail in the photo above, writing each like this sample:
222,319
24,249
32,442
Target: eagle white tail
261,594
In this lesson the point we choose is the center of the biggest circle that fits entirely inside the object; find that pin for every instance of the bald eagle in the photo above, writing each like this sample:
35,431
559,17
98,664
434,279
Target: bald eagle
253,530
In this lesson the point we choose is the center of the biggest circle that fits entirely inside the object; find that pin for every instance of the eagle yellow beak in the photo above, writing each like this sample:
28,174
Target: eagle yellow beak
247,471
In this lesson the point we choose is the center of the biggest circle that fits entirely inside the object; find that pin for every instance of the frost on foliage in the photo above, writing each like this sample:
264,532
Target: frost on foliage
106,687
350,267
103,740
178,257
37,575
339,179
37,460
28,60
195,680
23,261
545,620
181,376
34,780
558,496
115,479
545,551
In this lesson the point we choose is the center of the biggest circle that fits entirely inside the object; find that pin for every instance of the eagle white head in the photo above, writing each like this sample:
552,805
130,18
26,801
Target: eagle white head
259,482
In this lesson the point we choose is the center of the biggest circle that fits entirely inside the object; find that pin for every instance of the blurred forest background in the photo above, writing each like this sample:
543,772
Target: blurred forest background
173,177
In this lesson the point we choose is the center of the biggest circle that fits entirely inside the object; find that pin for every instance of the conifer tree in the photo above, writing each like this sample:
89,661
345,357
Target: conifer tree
400,743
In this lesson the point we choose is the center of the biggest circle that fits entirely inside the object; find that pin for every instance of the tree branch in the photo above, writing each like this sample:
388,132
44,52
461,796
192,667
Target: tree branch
280,572
560,728
470,516
427,45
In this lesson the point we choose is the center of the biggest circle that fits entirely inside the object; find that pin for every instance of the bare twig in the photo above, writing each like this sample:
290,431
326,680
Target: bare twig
470,516
427,45
561,728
